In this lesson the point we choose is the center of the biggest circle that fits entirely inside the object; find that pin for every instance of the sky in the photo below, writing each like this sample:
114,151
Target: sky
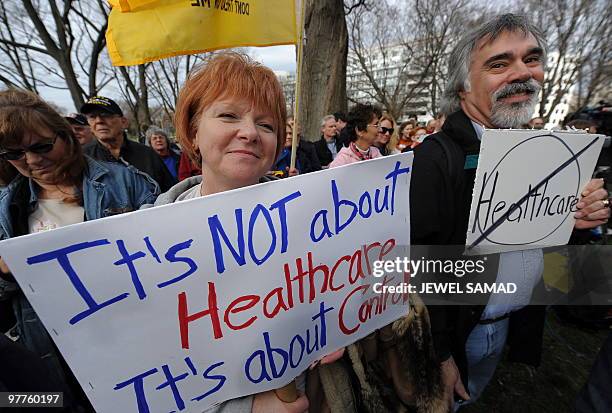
281,58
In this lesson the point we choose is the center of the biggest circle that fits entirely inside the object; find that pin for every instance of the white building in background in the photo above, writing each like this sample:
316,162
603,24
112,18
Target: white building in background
386,73
559,112
287,81
359,88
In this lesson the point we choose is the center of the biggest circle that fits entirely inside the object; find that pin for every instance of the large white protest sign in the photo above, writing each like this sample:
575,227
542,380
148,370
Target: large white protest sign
527,188
186,305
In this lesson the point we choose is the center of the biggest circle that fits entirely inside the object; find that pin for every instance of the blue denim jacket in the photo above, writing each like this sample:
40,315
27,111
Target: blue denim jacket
108,189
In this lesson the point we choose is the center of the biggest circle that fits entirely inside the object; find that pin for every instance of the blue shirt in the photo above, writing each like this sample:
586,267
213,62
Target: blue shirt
331,145
170,163
284,161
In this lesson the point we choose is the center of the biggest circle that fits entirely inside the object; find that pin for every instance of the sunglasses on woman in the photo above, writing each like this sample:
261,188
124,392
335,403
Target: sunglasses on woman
384,130
38,148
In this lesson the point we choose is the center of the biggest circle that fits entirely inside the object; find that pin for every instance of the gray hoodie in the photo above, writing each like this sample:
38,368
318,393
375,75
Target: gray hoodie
188,189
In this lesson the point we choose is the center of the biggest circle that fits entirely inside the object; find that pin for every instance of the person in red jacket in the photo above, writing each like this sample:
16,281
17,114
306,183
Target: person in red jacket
187,168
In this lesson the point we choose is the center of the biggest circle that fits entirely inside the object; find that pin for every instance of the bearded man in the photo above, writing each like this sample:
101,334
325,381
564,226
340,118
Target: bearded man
495,74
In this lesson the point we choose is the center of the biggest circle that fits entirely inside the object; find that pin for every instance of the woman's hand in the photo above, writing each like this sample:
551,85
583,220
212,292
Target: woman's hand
330,358
3,267
267,402
593,208
292,172
451,380
5,272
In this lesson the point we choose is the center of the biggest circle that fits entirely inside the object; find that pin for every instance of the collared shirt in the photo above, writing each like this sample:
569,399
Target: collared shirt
524,268
331,145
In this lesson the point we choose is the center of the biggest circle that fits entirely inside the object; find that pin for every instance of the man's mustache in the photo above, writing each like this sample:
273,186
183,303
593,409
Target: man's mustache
530,86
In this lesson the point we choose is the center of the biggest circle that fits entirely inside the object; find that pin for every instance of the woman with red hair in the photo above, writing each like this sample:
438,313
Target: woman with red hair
230,121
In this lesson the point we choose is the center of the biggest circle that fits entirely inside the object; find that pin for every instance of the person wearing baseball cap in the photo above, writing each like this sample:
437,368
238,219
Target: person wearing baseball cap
108,125
80,127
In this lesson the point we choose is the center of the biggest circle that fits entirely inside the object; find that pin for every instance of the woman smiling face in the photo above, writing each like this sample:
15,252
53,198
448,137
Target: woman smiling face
383,137
237,142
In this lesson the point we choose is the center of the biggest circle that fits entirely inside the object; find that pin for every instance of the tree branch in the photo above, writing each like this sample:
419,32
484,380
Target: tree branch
24,46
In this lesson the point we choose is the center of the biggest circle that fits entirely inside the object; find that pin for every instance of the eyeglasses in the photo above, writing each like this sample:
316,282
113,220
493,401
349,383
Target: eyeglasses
101,115
376,125
39,147
384,130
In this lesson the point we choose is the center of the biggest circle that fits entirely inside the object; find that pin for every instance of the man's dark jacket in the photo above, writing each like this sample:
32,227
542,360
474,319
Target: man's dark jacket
308,158
439,214
323,152
138,155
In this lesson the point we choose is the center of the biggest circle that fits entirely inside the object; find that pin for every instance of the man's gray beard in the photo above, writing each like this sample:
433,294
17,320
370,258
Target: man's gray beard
514,115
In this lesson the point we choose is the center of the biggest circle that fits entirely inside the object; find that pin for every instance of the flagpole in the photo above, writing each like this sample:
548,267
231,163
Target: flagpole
298,88
288,393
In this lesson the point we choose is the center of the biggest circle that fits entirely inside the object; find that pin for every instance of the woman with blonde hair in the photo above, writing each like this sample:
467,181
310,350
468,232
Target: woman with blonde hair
387,138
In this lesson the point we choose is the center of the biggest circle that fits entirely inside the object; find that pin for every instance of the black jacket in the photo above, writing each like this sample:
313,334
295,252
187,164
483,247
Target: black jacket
439,212
138,155
308,158
323,152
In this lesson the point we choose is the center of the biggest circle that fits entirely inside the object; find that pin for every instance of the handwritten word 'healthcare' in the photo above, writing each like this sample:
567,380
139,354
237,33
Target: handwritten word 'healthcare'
538,204
297,287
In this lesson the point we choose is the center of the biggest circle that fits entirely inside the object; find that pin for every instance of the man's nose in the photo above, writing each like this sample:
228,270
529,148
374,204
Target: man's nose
520,73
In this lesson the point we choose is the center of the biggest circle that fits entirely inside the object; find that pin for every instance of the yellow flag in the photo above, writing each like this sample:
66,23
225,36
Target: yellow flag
141,31
133,5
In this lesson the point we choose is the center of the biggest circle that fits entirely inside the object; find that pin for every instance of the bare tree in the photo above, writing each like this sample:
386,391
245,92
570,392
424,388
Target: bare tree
323,83
150,91
398,51
578,35
94,62
165,78
440,25
595,72
54,44
18,62
132,84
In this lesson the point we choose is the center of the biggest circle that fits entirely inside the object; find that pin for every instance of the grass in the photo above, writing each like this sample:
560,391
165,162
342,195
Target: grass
568,354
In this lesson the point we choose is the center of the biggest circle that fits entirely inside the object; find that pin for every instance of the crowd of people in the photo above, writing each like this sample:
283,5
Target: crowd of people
232,131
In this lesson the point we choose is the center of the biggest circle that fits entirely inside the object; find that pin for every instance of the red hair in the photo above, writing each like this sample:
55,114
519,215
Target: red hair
227,75
414,131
